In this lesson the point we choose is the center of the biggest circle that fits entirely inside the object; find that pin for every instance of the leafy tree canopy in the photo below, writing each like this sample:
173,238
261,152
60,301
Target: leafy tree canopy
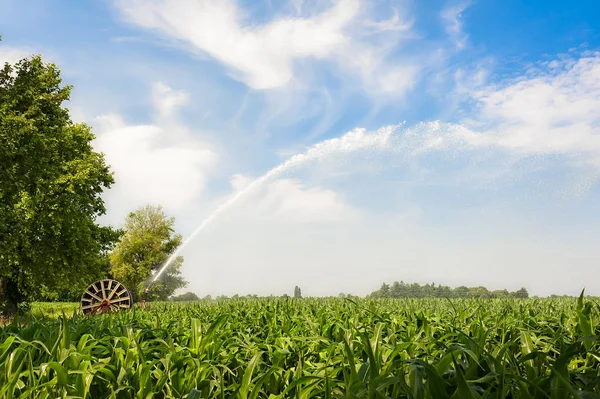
51,181
188,296
415,290
148,241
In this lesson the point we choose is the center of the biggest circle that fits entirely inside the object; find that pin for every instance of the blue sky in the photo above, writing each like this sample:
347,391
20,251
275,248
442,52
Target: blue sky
489,176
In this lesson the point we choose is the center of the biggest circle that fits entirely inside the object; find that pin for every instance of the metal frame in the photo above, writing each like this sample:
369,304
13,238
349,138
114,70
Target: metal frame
105,295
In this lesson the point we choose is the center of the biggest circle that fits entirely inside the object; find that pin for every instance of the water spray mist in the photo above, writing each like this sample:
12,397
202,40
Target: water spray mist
355,140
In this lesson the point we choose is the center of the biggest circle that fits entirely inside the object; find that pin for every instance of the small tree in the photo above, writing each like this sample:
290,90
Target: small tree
146,245
384,291
169,282
522,293
479,292
297,292
461,292
500,293
188,296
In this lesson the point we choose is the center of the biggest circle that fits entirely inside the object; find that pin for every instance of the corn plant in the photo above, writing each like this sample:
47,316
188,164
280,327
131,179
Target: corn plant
308,348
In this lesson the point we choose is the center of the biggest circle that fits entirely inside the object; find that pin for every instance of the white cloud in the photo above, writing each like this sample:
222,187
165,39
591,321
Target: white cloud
263,55
239,181
167,100
290,200
12,54
544,120
158,163
395,80
552,110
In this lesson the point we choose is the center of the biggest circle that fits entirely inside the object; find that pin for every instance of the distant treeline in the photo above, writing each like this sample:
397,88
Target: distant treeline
415,290
396,290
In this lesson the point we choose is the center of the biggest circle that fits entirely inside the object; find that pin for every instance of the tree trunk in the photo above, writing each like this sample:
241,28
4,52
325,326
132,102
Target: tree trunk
8,301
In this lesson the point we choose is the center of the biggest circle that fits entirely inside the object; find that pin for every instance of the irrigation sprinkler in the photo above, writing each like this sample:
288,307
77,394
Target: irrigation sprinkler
145,297
104,296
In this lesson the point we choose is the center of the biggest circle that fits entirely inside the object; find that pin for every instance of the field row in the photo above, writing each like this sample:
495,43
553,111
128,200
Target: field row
309,348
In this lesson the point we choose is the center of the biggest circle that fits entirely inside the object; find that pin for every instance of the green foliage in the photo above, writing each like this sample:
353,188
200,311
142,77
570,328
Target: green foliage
415,290
297,292
51,183
309,348
187,297
169,282
147,243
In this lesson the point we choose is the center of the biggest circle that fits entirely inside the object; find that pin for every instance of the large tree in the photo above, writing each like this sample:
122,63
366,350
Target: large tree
148,241
51,182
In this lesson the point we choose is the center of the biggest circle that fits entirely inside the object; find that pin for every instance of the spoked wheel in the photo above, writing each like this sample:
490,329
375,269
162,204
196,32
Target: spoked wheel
105,295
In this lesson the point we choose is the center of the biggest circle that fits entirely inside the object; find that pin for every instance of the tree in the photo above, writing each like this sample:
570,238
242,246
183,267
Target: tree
51,183
500,293
188,296
460,292
428,290
443,291
297,292
522,293
415,291
146,245
169,282
384,291
396,290
479,292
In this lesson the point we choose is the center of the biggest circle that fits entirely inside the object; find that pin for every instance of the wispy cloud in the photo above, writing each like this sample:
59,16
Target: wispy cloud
166,100
260,56
393,24
264,56
451,17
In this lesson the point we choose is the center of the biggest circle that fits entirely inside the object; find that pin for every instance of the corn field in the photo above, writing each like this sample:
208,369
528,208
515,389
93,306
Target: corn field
310,348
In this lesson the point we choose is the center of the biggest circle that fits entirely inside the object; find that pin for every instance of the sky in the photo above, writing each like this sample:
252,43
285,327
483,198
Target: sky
453,142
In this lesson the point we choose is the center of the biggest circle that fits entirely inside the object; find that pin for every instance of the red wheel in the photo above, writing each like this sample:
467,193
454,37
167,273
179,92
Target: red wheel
105,295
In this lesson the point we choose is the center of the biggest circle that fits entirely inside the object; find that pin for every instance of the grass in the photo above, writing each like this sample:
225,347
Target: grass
53,309
308,348
44,310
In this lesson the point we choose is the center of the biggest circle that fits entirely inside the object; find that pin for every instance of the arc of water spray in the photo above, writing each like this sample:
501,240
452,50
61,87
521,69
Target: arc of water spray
352,141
